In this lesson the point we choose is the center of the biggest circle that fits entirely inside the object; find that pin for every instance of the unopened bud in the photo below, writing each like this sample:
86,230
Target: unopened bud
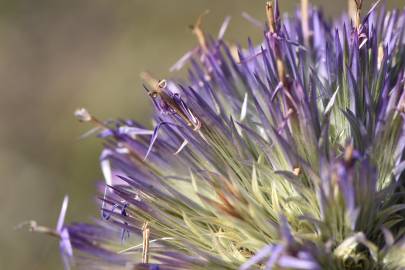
83,115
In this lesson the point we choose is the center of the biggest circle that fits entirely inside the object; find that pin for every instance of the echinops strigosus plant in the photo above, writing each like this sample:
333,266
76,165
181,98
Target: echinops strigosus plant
288,154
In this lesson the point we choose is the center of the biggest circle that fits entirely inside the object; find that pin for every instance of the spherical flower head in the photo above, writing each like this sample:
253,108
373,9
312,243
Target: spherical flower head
288,154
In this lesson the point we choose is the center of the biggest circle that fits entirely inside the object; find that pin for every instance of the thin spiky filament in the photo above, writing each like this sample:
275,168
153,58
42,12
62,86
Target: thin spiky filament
34,227
271,21
354,7
145,242
305,21
198,31
83,115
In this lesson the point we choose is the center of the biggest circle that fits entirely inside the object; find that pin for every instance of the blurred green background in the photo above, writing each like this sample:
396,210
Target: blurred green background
56,56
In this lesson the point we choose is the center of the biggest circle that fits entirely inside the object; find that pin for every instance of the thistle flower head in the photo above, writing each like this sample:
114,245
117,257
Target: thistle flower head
288,154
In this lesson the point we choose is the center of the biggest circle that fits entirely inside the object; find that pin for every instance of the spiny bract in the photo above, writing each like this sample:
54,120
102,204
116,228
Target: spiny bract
285,155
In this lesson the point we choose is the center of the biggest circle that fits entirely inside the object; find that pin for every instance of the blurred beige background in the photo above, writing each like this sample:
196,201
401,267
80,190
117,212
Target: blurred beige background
59,55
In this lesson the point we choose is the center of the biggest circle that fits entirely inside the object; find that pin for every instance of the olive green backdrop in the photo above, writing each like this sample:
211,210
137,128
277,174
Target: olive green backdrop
59,55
